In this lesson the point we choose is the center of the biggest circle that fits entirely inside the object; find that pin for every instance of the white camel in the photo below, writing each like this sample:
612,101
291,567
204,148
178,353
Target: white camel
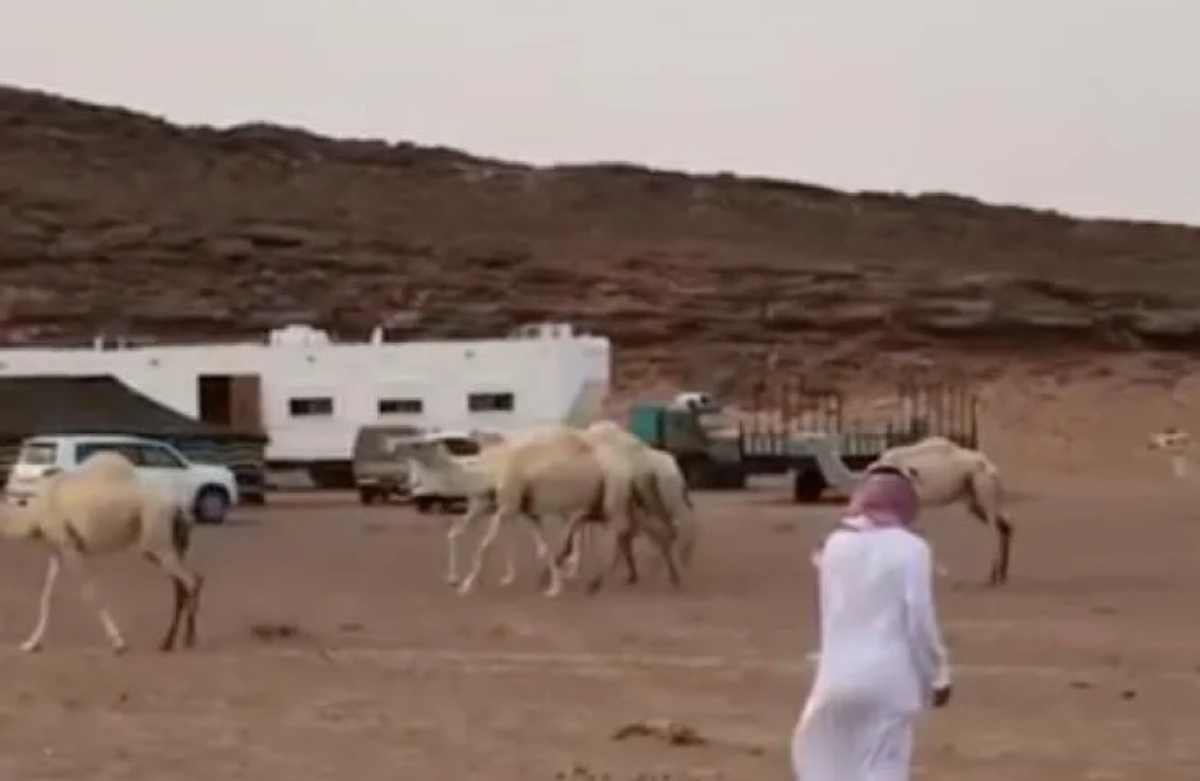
557,472
654,497
943,473
473,477
1178,446
946,473
658,482
97,509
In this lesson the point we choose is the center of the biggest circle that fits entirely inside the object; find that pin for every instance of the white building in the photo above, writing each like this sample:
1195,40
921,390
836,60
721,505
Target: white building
310,394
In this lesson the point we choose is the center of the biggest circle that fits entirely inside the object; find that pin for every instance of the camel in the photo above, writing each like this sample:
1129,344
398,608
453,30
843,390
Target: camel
1179,446
558,472
658,482
636,502
101,508
475,478
945,473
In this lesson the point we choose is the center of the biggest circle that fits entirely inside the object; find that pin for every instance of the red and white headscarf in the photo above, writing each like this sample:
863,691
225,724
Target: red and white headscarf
884,498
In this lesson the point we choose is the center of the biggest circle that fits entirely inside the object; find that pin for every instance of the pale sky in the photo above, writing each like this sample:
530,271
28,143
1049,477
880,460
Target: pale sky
1091,106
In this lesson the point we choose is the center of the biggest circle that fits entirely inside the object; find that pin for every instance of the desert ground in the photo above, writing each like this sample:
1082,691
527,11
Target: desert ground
331,648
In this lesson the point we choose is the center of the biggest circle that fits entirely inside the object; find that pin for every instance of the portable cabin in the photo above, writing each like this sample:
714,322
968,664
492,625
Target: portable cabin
310,394
50,405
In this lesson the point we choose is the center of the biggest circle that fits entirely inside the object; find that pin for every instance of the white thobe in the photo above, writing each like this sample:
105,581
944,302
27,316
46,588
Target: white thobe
881,655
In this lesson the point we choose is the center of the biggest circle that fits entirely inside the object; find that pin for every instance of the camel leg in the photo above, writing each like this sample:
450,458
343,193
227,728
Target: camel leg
664,540
34,641
1004,534
661,518
661,530
481,552
510,556
499,519
189,637
619,547
998,574
575,558
548,559
569,539
623,551
187,587
91,595
670,556
458,526
572,540
621,535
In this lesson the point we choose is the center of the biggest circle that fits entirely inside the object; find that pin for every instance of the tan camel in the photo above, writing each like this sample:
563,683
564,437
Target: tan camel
558,472
632,475
658,482
946,473
473,477
1179,448
98,509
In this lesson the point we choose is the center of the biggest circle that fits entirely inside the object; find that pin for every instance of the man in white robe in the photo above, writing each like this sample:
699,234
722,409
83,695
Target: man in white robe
881,658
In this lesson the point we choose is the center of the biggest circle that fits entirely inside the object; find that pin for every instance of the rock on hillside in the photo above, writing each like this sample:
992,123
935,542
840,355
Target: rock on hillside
118,221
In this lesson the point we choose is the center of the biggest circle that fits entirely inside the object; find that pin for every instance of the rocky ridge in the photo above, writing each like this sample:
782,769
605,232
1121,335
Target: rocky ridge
119,222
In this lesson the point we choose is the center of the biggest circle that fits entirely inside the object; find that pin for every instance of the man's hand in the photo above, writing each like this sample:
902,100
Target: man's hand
941,696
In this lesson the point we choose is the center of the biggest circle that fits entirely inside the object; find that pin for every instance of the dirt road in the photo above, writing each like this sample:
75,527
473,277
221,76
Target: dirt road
1086,666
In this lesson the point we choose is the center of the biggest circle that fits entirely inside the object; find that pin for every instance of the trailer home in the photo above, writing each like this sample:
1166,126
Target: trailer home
309,393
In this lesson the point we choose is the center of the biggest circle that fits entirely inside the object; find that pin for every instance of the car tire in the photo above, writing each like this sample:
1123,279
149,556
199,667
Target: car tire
211,505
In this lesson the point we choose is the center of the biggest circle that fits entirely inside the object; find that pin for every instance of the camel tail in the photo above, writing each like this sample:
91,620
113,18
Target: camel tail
181,532
685,526
988,505
656,504
987,488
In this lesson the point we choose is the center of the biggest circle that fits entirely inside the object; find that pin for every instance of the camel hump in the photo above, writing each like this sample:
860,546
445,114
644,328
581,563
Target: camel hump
538,451
107,464
986,465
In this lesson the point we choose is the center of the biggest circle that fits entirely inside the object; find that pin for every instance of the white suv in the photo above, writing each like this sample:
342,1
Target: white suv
430,488
206,491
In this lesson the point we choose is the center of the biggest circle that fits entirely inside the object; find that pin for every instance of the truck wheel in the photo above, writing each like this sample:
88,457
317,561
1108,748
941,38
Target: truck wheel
424,503
367,495
694,474
735,479
256,499
808,485
211,505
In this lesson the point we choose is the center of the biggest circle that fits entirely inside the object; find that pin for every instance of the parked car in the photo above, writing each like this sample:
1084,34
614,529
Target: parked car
429,488
380,473
207,491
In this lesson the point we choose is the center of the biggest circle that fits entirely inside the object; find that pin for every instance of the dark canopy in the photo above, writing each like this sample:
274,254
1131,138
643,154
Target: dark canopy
54,404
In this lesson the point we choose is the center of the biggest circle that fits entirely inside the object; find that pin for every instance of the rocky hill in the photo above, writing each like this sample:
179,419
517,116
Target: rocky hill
118,221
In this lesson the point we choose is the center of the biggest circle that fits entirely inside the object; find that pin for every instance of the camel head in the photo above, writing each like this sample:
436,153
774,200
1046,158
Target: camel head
911,472
430,453
1171,440
488,439
1177,445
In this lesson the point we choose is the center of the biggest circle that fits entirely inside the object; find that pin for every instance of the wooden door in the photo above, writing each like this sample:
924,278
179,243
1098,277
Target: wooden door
245,403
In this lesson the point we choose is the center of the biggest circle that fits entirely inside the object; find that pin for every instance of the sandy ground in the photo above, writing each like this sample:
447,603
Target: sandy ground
1085,666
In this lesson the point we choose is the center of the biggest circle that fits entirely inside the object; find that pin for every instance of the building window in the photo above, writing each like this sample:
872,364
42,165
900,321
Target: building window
491,402
158,458
310,406
401,406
